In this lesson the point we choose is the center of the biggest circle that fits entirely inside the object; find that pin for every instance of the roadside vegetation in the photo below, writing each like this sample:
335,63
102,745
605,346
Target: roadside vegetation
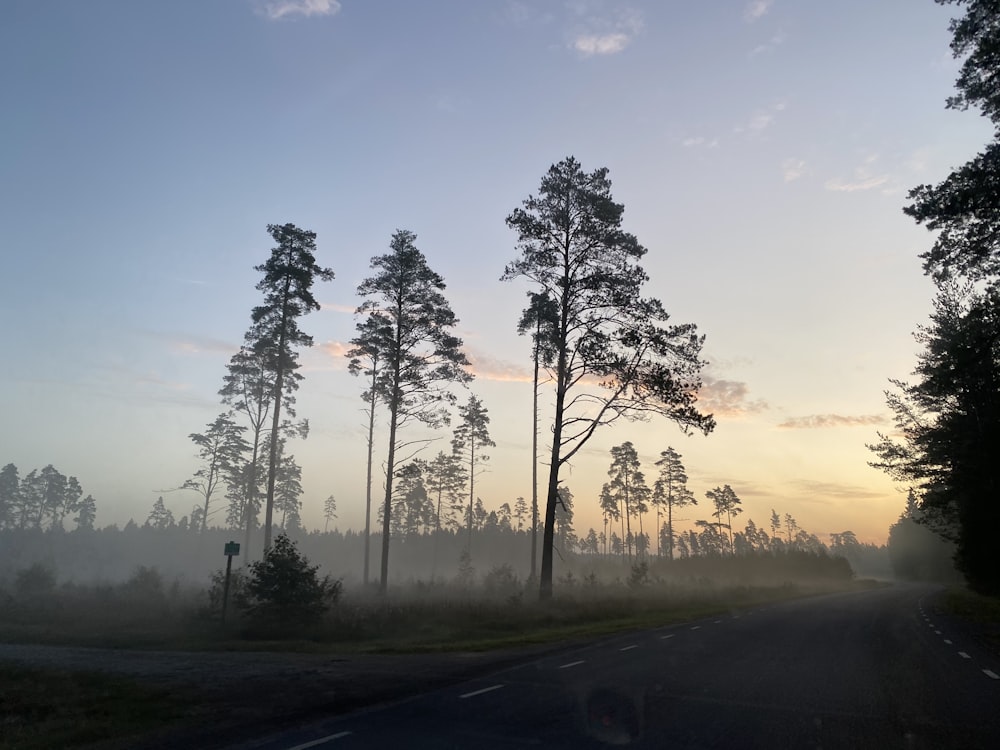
48,708
283,603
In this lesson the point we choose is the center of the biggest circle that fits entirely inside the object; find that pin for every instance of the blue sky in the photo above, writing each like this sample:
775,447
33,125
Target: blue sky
763,151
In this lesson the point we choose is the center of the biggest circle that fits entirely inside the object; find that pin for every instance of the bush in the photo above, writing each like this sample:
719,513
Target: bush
639,575
284,588
144,586
34,581
501,581
237,591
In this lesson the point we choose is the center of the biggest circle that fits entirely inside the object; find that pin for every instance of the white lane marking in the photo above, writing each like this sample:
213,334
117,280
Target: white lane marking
947,641
717,622
320,741
664,637
629,648
937,632
991,674
480,692
964,655
572,664
695,627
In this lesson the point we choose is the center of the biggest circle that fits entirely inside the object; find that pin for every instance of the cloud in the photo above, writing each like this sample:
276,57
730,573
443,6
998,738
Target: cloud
279,9
756,9
700,140
601,35
606,44
337,307
793,169
841,186
335,349
727,398
520,13
864,178
818,421
762,119
490,368
188,344
769,46
832,489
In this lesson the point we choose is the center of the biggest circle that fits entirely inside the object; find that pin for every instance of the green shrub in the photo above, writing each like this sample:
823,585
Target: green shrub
284,589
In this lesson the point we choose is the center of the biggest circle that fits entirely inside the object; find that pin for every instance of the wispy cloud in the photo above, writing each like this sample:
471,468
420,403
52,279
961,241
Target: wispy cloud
337,350
812,489
600,34
337,307
756,9
769,46
491,368
761,120
863,178
182,343
279,9
601,44
793,169
727,398
700,140
819,421
844,186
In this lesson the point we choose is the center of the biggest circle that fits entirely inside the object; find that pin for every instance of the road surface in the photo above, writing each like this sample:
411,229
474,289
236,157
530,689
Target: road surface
876,669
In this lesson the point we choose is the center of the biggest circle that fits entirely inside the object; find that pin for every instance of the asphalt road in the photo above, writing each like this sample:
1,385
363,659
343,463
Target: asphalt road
872,669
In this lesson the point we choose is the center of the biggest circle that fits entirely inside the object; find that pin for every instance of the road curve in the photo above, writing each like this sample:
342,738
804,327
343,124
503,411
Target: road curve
866,669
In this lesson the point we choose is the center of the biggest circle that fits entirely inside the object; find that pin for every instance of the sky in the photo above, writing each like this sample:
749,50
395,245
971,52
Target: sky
763,151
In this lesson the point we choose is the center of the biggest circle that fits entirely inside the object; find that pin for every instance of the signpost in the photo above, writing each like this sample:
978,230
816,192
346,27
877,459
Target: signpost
232,549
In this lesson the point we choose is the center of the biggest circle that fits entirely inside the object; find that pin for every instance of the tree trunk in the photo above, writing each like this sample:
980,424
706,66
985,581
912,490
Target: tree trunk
279,381
368,482
383,585
534,460
670,526
472,486
552,495
251,495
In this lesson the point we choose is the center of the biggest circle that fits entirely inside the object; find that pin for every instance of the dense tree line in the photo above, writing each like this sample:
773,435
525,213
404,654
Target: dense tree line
947,419
43,499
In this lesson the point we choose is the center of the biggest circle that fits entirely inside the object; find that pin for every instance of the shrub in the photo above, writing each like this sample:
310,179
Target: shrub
639,575
284,588
145,585
34,581
501,580
237,591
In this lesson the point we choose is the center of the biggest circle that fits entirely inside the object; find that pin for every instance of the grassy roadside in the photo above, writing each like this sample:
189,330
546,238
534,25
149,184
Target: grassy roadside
422,625
981,612
47,708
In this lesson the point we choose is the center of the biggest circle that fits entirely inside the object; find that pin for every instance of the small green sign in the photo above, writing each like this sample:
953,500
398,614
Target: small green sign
232,549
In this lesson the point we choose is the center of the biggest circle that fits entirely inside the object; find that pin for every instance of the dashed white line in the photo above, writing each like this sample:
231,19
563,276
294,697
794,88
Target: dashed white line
937,632
695,627
664,637
991,674
717,622
629,648
947,641
572,664
964,655
480,692
320,741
